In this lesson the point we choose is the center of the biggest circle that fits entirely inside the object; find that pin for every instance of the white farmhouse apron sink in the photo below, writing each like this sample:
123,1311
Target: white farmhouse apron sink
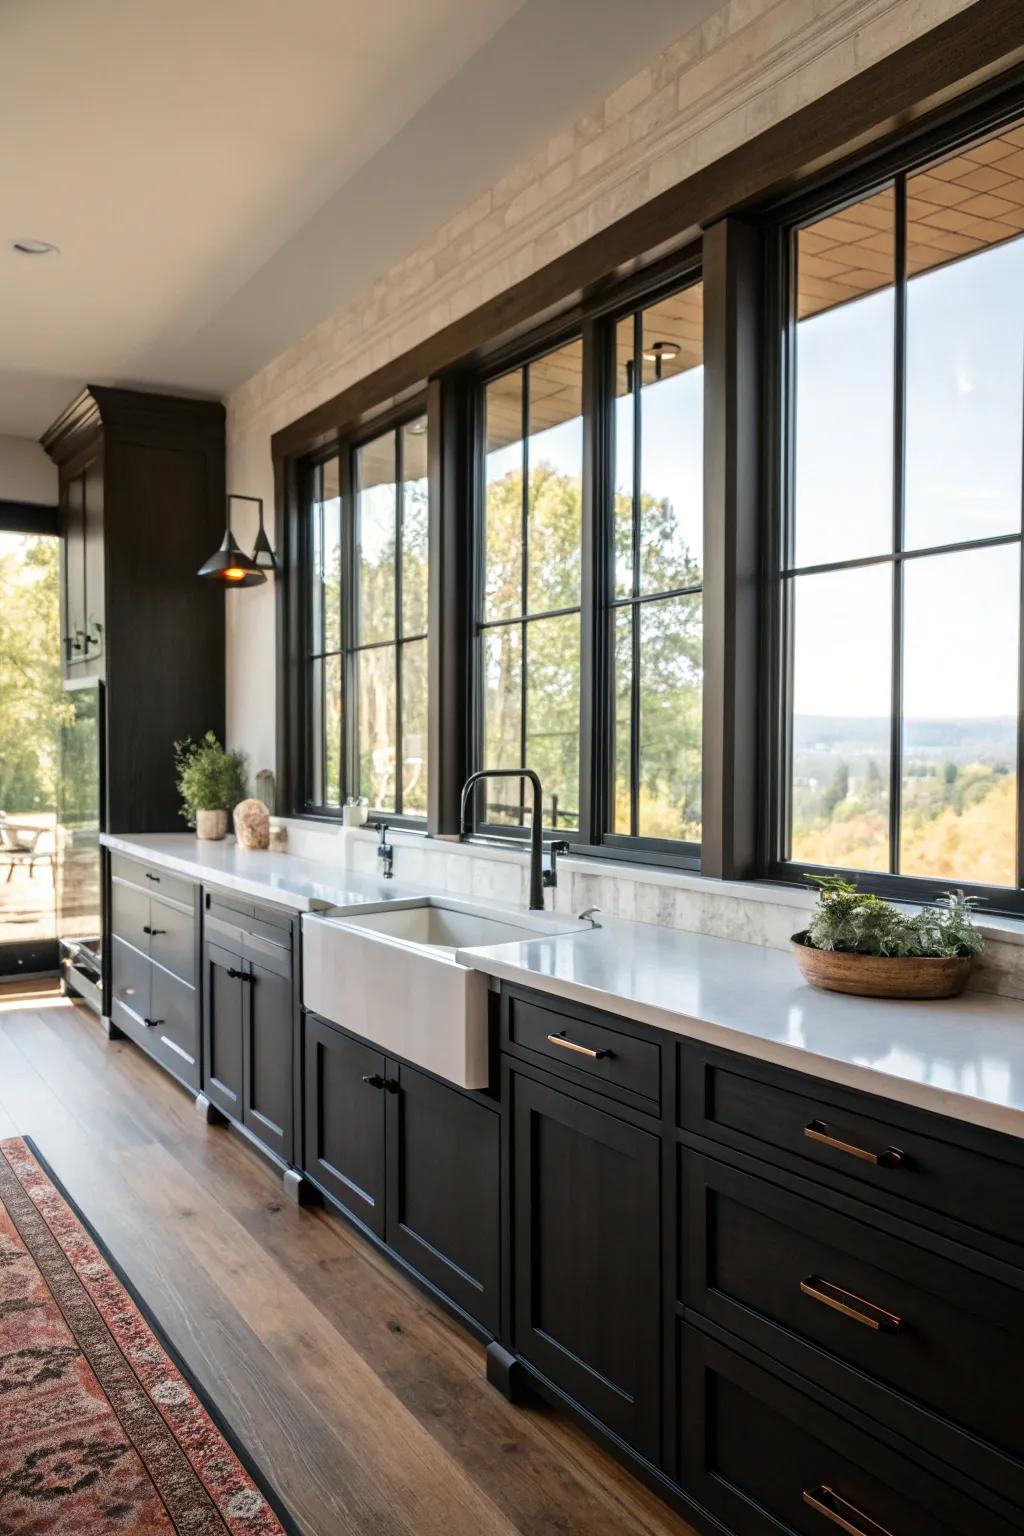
389,974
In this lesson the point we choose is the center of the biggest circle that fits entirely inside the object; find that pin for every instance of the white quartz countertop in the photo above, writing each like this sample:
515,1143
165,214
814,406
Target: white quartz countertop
962,1057
305,885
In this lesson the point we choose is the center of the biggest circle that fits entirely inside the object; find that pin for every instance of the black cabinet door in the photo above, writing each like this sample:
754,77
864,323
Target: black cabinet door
267,1106
224,1005
586,1257
344,1132
443,1188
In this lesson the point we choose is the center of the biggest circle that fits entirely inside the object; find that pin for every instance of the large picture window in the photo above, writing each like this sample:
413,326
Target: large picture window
901,540
528,630
657,547
367,663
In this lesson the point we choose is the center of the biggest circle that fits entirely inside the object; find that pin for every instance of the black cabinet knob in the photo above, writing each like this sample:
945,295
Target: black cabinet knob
151,876
374,1079
152,1023
392,1084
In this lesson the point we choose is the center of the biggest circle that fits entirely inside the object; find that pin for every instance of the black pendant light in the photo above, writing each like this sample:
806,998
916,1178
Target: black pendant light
230,566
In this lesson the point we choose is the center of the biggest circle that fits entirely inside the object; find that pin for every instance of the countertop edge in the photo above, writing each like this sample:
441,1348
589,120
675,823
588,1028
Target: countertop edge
244,885
940,1101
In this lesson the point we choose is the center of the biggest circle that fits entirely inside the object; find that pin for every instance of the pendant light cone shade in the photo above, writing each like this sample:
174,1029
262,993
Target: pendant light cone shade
230,566
263,557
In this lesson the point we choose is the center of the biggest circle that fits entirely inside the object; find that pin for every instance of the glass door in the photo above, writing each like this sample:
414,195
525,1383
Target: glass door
33,707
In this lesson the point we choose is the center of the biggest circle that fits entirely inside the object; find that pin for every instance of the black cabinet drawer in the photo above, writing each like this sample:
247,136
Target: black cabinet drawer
129,978
760,1258
587,1050
911,1162
764,1458
129,914
156,882
172,939
174,1028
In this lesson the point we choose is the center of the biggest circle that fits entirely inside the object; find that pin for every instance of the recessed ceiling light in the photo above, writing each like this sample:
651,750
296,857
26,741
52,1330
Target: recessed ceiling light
34,248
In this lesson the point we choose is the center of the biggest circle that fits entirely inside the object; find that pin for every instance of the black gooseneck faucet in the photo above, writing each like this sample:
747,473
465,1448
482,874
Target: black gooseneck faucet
543,867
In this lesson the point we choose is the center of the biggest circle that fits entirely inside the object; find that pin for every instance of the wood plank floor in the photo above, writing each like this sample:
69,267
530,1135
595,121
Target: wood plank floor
365,1405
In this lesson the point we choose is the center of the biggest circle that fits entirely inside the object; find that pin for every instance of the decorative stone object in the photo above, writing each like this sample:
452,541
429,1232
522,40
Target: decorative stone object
278,837
252,824
211,826
266,789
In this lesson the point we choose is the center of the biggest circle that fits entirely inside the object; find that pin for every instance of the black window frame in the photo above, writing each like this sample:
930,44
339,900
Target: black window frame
890,168
344,450
595,325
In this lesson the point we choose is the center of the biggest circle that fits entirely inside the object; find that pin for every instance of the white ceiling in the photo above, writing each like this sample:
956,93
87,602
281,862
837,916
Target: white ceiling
221,174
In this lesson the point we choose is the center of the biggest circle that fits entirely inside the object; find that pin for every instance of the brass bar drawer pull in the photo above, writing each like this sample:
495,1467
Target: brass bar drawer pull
825,1501
851,1305
573,1045
817,1130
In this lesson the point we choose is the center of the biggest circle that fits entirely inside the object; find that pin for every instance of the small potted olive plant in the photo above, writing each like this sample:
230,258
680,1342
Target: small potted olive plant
211,781
860,944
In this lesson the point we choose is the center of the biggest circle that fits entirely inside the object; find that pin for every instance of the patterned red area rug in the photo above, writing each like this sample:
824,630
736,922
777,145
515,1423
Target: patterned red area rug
101,1431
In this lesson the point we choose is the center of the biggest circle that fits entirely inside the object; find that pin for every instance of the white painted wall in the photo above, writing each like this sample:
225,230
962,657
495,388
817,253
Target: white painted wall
26,473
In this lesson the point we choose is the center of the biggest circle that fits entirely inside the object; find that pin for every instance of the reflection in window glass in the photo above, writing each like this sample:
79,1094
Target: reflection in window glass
840,724
959,804
846,270
947,577
965,346
362,669
658,532
503,505
622,723
553,715
415,529
503,720
414,728
672,443
533,510
671,697
554,456
375,540
377,725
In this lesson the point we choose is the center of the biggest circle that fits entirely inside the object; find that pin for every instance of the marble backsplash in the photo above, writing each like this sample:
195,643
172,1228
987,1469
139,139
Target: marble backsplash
750,912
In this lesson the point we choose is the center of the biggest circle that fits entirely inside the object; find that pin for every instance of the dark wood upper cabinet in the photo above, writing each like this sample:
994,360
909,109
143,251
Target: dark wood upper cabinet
586,1241
141,507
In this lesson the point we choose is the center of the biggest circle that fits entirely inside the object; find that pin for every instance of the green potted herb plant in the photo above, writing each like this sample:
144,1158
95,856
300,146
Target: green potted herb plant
860,944
211,782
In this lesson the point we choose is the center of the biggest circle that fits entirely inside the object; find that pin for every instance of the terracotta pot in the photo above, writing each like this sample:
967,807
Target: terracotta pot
211,826
878,975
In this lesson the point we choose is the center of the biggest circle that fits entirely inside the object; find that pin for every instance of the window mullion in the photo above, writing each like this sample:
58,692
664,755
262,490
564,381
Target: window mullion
399,536
634,689
898,520
349,599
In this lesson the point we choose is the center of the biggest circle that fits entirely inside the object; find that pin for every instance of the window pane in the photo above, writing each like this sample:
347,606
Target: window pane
325,585
671,698
502,668
375,690
375,539
503,509
960,716
414,728
555,468
553,715
414,528
844,383
325,731
622,725
965,347
841,713
622,532
671,443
